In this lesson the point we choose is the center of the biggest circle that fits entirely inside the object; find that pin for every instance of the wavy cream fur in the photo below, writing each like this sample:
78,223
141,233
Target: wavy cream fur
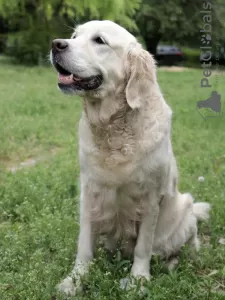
127,168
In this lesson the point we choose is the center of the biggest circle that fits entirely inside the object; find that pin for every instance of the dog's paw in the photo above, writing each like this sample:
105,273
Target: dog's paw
134,285
125,283
69,286
172,263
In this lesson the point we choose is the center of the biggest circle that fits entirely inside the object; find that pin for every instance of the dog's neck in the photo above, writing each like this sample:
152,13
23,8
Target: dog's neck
110,121
117,130
103,112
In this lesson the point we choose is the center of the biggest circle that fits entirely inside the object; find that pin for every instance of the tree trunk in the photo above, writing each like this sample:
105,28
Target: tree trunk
152,43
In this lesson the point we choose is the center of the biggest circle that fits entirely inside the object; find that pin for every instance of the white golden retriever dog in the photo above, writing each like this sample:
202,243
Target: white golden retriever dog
128,171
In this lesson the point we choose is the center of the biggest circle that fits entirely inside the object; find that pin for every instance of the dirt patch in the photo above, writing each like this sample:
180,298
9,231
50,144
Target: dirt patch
27,163
175,68
31,162
182,69
217,72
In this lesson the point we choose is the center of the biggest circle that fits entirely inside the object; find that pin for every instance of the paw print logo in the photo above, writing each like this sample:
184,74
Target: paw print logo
206,39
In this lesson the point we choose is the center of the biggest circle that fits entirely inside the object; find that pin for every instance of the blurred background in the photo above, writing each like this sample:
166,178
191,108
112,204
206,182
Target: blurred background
39,167
169,29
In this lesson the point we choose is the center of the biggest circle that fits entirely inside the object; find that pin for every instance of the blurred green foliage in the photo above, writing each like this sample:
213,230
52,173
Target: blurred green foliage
31,25
28,26
179,21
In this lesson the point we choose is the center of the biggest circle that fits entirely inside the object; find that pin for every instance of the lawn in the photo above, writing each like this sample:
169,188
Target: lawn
39,202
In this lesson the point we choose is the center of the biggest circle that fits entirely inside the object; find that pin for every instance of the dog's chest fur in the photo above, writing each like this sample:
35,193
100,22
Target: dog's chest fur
121,187
114,161
117,211
119,160
109,144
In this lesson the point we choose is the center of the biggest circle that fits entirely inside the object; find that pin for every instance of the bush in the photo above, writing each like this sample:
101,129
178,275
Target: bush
29,47
3,40
191,56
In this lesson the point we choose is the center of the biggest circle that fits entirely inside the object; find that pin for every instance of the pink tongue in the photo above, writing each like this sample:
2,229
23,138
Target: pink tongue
65,79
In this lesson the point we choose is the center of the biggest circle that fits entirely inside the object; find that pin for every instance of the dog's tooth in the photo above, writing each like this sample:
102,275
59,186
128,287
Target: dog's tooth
76,78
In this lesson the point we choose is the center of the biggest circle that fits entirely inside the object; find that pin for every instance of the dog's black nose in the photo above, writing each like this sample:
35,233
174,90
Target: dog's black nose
59,45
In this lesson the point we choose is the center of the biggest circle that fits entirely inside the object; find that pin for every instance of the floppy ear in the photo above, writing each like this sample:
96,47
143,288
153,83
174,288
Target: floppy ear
141,73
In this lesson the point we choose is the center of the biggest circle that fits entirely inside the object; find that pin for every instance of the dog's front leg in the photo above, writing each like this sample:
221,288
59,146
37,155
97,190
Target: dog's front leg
144,245
72,284
86,235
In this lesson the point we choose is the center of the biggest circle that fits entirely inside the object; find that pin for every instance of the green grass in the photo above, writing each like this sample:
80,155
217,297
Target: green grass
39,204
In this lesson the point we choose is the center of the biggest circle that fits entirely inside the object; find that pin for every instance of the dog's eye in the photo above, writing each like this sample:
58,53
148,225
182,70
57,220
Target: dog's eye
99,40
74,36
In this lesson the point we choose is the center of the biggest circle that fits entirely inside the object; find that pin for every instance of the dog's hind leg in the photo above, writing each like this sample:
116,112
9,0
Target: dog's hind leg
194,245
172,262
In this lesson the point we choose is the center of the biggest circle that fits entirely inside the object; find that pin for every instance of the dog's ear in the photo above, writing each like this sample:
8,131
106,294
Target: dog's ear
141,74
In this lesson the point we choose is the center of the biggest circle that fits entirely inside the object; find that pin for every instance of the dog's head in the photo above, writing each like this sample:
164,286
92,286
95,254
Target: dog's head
98,57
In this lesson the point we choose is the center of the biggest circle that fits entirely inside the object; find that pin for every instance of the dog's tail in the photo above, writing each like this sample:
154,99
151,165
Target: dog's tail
201,210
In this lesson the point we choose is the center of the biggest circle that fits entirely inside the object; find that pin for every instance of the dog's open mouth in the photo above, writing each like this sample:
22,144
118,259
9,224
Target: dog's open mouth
71,82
